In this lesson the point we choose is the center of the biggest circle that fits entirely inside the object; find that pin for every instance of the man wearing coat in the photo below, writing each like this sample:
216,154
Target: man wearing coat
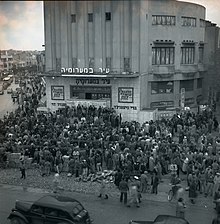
123,187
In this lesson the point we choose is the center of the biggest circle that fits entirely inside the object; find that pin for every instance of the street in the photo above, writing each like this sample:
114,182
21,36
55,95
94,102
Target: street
6,103
105,211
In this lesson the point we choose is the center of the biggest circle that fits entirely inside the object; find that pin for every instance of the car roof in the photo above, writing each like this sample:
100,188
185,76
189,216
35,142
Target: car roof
58,202
169,219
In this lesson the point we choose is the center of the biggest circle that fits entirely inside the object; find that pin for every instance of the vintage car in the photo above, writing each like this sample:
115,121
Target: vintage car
14,94
18,90
1,90
50,209
9,90
162,219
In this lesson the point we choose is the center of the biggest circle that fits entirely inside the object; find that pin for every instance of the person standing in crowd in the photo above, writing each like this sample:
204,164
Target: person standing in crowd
42,167
118,177
103,190
180,208
216,184
202,181
56,183
210,182
155,183
124,188
22,169
144,181
71,166
192,187
134,198
47,167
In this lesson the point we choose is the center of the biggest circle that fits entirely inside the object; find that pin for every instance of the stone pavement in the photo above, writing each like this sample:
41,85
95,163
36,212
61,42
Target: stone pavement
35,182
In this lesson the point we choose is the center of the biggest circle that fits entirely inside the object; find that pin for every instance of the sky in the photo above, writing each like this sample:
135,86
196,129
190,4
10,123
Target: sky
22,28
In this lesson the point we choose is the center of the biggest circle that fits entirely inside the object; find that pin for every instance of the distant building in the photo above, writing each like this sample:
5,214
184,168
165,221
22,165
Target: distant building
40,57
7,60
211,89
135,56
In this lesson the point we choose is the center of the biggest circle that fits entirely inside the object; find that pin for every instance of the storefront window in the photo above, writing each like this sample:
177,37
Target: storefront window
161,87
90,92
199,83
187,85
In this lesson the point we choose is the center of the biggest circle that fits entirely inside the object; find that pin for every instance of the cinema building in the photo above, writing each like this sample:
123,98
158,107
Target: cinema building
141,57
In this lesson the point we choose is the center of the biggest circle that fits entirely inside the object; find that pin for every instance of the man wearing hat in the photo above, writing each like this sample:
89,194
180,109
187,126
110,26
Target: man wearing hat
144,181
134,194
216,183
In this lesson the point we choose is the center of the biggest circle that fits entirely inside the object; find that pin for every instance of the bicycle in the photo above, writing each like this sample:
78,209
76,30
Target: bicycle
173,192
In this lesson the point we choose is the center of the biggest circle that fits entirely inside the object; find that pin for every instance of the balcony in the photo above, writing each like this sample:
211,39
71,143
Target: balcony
163,71
187,68
163,68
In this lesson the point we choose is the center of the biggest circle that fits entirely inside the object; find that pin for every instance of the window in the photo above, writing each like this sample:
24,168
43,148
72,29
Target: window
162,55
74,62
187,85
202,22
107,16
73,18
108,62
163,20
127,65
91,62
63,214
97,96
37,209
201,54
58,64
187,55
161,87
90,17
51,212
188,21
199,83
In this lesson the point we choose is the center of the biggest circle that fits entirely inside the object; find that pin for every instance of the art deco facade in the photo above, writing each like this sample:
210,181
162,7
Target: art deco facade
135,56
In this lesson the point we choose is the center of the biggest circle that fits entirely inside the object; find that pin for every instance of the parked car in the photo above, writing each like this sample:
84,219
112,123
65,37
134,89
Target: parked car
16,81
1,90
14,94
9,90
54,209
163,219
18,90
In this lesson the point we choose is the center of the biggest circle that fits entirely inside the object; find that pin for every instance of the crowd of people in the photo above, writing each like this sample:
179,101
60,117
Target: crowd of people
85,140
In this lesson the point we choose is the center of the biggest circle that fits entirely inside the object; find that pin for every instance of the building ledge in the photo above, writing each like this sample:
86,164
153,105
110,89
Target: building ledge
86,75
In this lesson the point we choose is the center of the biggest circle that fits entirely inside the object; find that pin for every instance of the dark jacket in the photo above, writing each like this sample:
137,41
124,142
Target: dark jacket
123,186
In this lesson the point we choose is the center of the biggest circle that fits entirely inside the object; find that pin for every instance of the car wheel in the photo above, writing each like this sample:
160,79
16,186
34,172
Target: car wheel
17,220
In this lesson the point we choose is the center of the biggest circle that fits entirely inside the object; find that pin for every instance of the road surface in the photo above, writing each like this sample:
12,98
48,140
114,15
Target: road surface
6,103
103,211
